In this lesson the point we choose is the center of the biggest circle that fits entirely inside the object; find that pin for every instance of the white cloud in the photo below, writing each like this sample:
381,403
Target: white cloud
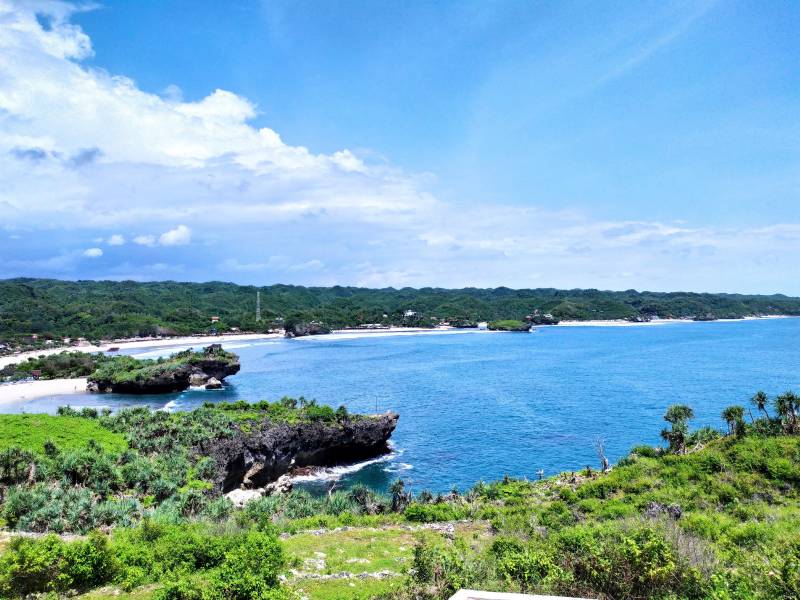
84,149
310,265
93,252
180,236
145,240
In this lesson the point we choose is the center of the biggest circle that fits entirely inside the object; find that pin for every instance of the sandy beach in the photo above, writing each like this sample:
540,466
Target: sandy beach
624,323
27,390
619,323
176,342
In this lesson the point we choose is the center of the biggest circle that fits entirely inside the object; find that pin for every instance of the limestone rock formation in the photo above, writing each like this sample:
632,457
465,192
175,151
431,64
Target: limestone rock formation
302,329
262,454
213,384
129,376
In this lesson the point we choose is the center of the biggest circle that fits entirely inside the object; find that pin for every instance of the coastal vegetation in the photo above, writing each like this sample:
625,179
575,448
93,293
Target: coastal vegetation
713,514
54,309
64,365
509,325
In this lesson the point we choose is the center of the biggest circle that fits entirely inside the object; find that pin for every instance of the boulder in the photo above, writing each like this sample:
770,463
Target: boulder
240,497
198,379
213,384
282,485
655,510
302,329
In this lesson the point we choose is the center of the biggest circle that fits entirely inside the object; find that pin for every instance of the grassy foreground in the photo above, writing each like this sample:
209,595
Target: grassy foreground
711,516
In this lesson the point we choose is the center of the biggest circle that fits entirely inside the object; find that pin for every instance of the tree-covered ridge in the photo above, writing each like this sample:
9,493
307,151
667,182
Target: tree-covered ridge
109,309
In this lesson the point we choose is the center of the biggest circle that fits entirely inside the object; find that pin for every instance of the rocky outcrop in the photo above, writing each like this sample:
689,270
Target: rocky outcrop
213,384
655,510
639,318
705,317
209,368
301,329
215,362
242,495
261,455
539,318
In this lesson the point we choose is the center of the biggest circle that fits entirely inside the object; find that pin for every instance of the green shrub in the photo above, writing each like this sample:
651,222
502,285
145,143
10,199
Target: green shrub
49,564
428,513
532,568
250,570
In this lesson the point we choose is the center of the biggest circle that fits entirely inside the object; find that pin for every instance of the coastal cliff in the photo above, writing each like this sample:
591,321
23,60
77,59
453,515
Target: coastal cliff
270,449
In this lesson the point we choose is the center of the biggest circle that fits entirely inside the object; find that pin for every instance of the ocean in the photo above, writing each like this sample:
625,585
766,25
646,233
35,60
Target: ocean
478,406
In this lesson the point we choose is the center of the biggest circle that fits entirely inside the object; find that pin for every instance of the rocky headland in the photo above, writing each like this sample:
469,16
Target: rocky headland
266,450
127,375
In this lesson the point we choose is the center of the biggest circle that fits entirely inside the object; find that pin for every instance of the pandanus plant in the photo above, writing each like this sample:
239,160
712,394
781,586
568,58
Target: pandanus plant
677,416
760,401
787,406
734,417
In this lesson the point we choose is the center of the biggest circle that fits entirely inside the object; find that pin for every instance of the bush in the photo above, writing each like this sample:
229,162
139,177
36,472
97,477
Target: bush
250,570
428,513
49,564
531,568
636,562
43,508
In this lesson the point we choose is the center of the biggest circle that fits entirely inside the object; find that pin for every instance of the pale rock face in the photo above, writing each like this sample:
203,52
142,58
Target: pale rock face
197,379
213,384
241,496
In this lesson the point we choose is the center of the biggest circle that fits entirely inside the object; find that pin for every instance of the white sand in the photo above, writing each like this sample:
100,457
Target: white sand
27,390
187,341
623,323
619,323
345,334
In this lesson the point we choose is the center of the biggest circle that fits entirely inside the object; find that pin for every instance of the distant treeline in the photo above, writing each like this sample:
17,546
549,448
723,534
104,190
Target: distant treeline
111,309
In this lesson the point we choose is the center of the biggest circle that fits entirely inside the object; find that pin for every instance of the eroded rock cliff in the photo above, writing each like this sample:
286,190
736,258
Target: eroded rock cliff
259,456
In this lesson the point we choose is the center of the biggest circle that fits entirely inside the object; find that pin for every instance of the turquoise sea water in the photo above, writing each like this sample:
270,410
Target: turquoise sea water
481,405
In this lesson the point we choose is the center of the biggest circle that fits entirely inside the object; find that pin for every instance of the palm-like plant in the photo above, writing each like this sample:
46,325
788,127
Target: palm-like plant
760,401
734,417
677,416
787,405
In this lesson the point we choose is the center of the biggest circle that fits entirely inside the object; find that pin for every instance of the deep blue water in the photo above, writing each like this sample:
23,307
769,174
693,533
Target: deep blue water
481,405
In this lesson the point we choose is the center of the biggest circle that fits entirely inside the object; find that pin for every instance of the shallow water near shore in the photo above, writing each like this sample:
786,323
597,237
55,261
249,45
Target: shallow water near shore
481,405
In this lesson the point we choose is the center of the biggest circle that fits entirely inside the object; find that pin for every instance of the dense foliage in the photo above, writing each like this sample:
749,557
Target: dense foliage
108,309
193,562
509,325
53,366
710,515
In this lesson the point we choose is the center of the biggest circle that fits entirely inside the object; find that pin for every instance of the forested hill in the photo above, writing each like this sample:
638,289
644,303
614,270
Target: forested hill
107,309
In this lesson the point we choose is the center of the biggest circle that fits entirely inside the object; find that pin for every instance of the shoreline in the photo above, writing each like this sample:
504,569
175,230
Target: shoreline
188,340
193,340
29,390
625,323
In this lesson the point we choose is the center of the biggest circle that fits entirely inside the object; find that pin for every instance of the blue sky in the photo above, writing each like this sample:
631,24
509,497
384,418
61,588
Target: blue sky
530,144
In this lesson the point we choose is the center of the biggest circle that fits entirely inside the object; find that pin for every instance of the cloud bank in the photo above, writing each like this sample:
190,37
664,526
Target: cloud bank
192,189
